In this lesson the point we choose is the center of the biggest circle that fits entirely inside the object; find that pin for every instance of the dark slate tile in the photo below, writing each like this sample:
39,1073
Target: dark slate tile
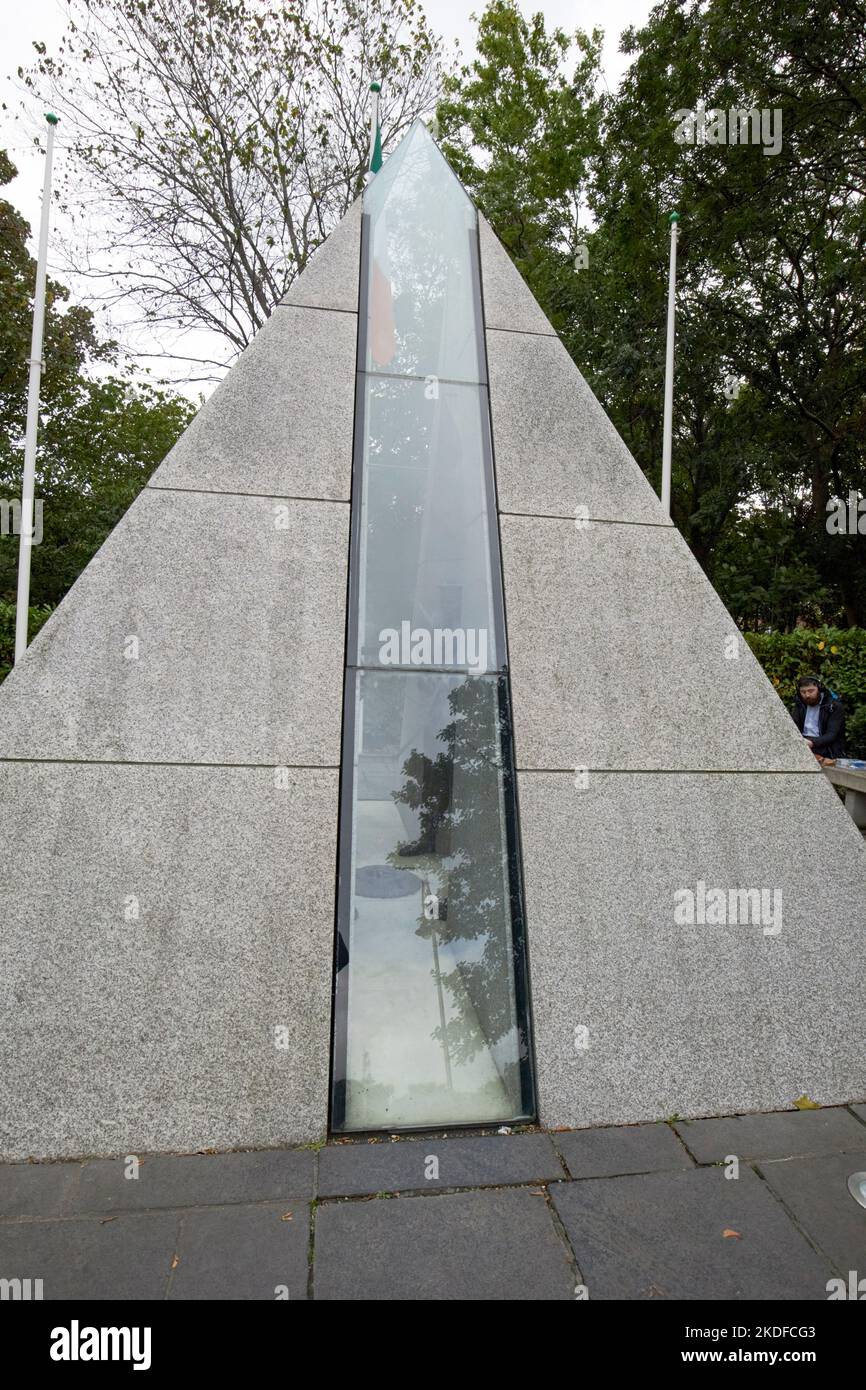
36,1189
604,1153
195,1180
771,1136
662,1236
233,1253
123,1257
815,1190
403,1165
467,1245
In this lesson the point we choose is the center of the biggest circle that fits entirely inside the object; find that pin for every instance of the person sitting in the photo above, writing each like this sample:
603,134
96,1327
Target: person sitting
820,717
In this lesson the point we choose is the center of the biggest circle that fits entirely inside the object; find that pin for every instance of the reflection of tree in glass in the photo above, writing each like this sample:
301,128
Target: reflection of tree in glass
457,797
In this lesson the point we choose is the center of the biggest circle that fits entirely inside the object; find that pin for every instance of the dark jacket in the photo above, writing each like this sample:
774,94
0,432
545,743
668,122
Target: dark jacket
830,742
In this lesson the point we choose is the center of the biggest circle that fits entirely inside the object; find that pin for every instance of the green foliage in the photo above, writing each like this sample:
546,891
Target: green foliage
836,655
99,440
38,615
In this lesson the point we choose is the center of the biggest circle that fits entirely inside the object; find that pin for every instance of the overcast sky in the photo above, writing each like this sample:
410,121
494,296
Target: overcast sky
45,20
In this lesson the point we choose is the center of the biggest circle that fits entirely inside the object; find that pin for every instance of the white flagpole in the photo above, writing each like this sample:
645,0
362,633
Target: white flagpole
669,369
34,384
375,88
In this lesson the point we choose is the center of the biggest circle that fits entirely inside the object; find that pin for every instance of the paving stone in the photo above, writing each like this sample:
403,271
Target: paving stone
195,1180
603,1153
781,1135
661,1235
123,1257
463,1246
233,1253
859,1110
816,1191
36,1189
497,1160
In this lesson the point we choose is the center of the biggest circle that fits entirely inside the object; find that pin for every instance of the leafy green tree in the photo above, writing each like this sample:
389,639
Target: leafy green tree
99,439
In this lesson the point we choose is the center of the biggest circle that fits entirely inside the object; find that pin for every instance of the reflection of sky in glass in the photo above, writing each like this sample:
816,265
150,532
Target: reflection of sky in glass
433,1032
421,311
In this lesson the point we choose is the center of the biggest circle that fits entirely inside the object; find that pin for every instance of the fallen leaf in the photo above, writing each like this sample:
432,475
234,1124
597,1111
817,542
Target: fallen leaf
175,1262
804,1103
286,1216
728,1233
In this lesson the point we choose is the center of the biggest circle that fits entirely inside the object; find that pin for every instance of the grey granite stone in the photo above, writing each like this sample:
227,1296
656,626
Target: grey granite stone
232,1253
508,300
330,279
860,1110
123,1258
193,1180
125,1034
468,1245
618,657
280,423
781,1135
662,1235
604,1153
690,1020
240,627
555,448
815,1191
348,1169
36,1189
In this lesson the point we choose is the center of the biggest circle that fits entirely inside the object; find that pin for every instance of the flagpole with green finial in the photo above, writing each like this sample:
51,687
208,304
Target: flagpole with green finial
28,486
375,163
667,429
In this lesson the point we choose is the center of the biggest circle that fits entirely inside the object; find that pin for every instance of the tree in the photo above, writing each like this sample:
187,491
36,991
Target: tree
217,142
771,270
99,438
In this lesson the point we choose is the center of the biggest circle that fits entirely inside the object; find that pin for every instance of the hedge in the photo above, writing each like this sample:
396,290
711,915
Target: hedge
836,655
7,632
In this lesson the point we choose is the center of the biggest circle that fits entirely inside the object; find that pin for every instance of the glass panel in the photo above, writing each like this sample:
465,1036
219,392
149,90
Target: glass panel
433,1025
425,554
420,293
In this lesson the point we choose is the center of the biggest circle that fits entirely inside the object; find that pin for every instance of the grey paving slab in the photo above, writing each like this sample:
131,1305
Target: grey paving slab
682,1019
602,1153
425,1164
121,1257
859,1110
36,1189
815,1190
330,280
663,1235
280,422
467,1245
618,647
166,957
794,1132
508,300
193,1180
555,448
235,1253
204,630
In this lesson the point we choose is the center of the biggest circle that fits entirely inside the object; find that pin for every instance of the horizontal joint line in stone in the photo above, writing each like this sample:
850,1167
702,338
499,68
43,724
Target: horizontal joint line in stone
152,762
597,520
679,771
265,496
320,308
389,1192
524,332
